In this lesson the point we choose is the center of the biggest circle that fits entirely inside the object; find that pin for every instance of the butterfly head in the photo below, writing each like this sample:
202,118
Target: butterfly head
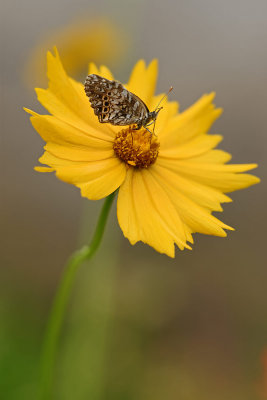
152,116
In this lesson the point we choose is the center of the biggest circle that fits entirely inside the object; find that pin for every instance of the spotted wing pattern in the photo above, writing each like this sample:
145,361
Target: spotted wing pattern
113,103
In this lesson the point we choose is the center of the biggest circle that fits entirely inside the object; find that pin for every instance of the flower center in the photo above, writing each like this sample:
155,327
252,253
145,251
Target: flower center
137,148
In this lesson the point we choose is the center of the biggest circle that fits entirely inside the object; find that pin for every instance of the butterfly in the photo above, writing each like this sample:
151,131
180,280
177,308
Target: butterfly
114,104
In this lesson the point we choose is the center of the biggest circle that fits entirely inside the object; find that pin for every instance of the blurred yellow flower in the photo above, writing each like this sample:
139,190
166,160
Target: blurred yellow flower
79,41
180,180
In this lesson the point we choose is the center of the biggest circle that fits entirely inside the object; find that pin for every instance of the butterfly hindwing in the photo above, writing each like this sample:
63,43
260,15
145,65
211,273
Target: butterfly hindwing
113,103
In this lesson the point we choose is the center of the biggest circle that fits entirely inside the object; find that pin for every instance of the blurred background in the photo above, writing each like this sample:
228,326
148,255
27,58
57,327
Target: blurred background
139,325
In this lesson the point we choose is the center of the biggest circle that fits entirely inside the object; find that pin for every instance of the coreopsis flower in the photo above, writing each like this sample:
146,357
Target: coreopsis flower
169,182
78,41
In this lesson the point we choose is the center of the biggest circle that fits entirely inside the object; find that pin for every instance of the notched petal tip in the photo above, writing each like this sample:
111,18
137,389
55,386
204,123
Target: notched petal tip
153,65
92,69
186,246
209,96
106,73
170,254
52,54
56,51
217,111
140,64
207,100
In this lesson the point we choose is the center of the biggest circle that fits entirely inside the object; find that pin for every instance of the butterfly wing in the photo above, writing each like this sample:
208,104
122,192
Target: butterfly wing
113,103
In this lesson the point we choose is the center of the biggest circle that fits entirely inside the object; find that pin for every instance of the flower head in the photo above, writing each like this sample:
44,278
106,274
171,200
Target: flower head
78,41
169,184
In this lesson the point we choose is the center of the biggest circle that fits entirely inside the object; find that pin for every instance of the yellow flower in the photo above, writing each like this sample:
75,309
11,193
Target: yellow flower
81,40
179,181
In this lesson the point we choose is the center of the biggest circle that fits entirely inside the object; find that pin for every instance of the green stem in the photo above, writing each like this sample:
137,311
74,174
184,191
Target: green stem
61,300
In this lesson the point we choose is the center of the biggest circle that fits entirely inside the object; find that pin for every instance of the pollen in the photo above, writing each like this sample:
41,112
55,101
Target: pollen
137,148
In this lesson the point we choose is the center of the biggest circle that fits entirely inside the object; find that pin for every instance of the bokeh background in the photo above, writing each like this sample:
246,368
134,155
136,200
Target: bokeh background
139,325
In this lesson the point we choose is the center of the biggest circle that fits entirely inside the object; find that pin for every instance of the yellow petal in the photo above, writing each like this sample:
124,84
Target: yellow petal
31,112
51,129
195,147
78,153
202,195
126,209
96,179
196,120
67,100
163,204
143,81
93,69
145,213
105,72
197,218
102,71
77,171
213,157
44,169
226,178
104,184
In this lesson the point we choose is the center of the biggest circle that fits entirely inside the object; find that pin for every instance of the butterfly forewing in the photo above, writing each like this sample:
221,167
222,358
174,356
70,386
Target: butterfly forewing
113,103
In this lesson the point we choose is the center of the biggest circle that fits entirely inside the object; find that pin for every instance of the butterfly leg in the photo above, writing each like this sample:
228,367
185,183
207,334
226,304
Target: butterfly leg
152,133
148,131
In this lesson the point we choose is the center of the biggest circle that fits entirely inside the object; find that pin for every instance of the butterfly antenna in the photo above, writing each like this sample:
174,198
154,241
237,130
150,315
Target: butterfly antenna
165,95
157,108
